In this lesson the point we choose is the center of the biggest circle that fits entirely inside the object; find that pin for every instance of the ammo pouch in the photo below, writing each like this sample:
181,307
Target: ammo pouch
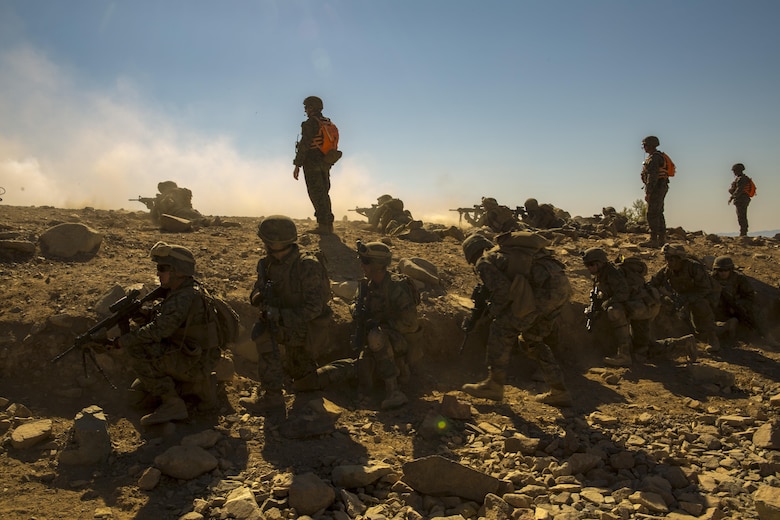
523,301
332,157
646,306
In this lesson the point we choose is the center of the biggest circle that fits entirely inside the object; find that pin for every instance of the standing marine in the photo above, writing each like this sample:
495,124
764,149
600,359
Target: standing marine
742,190
292,291
316,169
655,179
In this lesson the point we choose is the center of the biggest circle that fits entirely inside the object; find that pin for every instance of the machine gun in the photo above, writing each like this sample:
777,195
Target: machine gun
674,300
594,309
2,192
472,214
122,310
480,298
360,317
520,212
148,201
366,212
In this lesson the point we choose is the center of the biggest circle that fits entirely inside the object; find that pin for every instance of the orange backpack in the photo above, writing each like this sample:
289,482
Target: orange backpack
668,169
327,138
750,189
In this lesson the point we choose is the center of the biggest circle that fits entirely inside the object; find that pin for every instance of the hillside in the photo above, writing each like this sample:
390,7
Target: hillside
666,439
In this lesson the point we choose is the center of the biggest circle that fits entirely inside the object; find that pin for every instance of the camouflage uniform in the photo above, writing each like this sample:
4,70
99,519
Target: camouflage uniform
391,317
613,292
177,345
315,170
737,297
300,292
656,186
390,215
696,290
613,221
499,219
505,326
542,218
741,199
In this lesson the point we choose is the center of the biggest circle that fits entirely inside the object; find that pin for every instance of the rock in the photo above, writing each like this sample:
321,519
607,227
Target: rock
768,436
652,501
309,494
345,290
419,269
583,462
352,503
90,435
29,434
241,503
708,374
767,501
17,246
355,476
149,479
70,239
174,224
204,439
435,475
185,462
454,408
496,508
520,443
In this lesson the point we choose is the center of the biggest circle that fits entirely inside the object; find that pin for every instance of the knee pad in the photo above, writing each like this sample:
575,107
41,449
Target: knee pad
377,340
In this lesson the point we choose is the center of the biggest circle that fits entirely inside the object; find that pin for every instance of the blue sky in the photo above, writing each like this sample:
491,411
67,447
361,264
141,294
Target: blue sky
438,102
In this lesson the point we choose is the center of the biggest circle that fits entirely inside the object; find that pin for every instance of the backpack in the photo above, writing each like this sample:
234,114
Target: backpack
668,169
750,189
327,140
520,247
222,315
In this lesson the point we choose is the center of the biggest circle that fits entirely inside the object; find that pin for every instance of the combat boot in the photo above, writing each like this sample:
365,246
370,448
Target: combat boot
308,383
139,398
621,359
557,396
262,402
713,343
173,408
727,329
491,388
395,397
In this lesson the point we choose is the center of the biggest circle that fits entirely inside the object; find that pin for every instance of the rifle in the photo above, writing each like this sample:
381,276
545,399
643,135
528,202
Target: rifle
360,317
479,295
149,201
366,212
594,309
673,298
477,210
122,310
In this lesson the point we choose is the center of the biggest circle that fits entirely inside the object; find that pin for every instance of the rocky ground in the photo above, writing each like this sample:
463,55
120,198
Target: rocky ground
665,439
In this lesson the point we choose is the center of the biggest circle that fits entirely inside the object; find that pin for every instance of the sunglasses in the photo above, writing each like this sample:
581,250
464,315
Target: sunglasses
364,260
164,268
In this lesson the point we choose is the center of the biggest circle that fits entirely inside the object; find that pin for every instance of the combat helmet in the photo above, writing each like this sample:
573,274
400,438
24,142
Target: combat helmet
651,140
739,167
178,257
594,254
474,246
609,210
723,263
166,186
374,252
313,102
277,232
384,198
673,250
489,202
531,205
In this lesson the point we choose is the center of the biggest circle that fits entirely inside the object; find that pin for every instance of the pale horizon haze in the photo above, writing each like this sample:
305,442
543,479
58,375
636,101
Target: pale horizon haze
438,103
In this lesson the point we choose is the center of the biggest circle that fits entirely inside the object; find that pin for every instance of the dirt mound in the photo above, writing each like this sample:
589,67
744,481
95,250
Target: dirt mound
45,302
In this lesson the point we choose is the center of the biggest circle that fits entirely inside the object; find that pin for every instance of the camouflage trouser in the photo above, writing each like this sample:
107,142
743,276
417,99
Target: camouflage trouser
702,318
742,216
740,309
379,357
318,186
640,336
504,332
655,209
161,366
290,359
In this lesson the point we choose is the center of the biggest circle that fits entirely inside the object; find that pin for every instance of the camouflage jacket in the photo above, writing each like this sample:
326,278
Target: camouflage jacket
692,282
300,287
736,290
651,171
543,218
499,219
179,320
611,285
738,189
306,154
393,303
